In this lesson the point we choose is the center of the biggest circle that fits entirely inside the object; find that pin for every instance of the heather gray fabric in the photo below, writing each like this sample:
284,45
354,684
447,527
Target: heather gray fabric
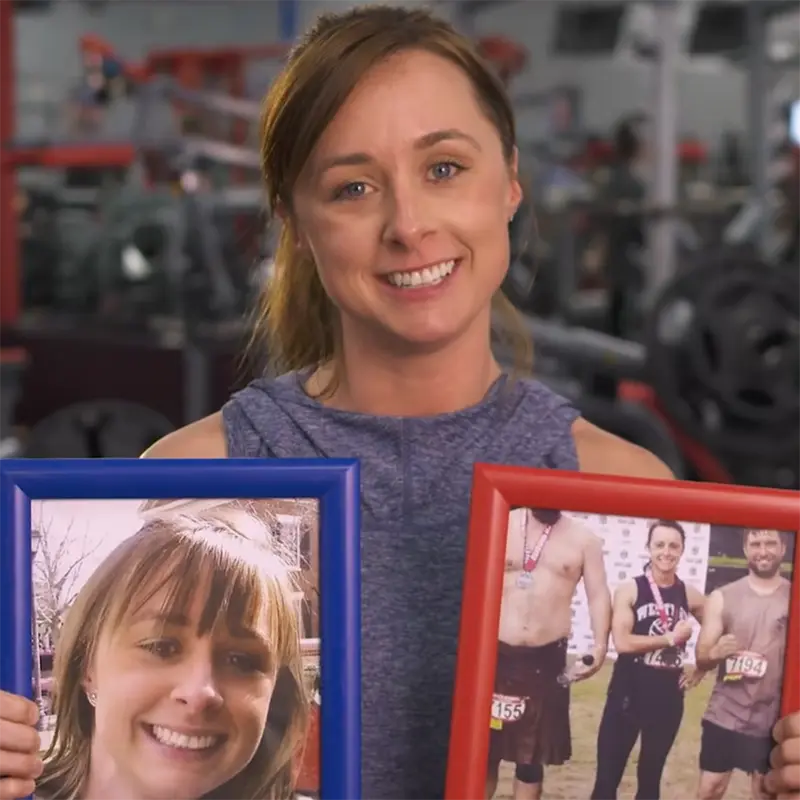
415,476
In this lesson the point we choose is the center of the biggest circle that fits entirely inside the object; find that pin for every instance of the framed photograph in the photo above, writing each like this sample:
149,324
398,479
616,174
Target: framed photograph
623,637
181,621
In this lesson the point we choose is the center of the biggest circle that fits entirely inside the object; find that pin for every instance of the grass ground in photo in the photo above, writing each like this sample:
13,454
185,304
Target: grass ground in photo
576,779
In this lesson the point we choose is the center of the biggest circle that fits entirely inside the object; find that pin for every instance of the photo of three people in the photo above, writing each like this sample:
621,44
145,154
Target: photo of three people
656,669
176,647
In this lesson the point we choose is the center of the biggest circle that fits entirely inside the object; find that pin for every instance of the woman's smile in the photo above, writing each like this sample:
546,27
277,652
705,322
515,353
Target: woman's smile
427,283
430,275
176,745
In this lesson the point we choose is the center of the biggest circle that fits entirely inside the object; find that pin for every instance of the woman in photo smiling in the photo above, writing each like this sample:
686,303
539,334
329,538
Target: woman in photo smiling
651,626
176,689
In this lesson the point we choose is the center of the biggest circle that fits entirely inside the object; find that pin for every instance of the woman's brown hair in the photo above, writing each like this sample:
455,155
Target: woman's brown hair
296,321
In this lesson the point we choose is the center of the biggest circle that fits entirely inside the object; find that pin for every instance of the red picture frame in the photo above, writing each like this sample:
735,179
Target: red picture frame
495,490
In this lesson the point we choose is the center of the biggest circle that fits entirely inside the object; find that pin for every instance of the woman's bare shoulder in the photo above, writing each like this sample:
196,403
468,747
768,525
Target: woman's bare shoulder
625,593
202,439
603,453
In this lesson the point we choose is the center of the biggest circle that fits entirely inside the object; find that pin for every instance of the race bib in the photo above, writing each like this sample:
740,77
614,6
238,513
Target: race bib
666,658
506,709
739,666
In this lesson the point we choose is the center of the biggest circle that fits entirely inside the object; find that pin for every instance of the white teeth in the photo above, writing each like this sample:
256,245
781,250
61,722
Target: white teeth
429,276
180,740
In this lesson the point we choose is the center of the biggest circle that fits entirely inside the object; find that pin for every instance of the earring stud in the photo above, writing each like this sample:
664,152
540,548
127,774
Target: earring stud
92,697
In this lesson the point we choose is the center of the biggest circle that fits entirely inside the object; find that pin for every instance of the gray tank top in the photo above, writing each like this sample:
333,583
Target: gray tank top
415,488
747,695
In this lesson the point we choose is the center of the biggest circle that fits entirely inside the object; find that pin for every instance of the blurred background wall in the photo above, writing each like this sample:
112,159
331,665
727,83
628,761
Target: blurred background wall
711,95
659,283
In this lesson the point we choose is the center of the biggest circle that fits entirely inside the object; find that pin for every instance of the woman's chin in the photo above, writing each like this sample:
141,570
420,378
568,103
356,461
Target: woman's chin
425,341
428,333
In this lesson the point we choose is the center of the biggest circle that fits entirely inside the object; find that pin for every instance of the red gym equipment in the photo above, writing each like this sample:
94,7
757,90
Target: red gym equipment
508,57
194,69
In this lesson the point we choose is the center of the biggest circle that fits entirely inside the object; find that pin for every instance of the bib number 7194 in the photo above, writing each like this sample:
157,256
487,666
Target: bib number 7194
745,665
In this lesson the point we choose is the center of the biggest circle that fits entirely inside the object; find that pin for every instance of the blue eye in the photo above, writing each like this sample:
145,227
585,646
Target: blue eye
445,169
351,191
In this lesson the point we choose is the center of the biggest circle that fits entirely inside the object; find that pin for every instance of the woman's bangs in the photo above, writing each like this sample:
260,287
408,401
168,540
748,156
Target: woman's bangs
239,590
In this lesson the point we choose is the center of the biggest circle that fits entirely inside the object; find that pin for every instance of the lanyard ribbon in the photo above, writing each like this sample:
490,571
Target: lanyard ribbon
530,558
662,611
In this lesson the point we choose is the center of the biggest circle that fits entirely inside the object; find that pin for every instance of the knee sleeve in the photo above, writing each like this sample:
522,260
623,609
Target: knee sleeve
530,773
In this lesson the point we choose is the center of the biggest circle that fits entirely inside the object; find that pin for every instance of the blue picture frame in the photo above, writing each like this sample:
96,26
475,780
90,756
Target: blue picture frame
334,482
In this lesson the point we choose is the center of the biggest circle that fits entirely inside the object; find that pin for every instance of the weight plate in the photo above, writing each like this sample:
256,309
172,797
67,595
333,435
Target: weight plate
723,354
745,345
97,429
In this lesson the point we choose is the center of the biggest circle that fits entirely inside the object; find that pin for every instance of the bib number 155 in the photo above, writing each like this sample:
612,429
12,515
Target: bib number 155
507,709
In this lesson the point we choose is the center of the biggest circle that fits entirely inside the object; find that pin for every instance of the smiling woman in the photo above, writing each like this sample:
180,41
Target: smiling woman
395,219
651,649
179,689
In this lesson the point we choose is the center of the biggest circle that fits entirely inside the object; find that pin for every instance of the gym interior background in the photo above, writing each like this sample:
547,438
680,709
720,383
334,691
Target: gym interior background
659,146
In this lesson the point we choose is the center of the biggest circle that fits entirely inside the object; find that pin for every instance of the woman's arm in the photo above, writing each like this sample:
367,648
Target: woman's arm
202,439
697,603
603,453
622,621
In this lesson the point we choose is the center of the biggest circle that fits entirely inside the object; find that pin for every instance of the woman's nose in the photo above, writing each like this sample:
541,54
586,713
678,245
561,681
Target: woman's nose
196,686
407,221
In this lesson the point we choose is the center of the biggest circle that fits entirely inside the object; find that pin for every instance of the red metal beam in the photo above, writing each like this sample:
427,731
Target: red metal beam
213,59
10,284
61,156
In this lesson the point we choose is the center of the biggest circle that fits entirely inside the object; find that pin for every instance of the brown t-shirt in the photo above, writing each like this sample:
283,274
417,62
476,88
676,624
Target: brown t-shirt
747,695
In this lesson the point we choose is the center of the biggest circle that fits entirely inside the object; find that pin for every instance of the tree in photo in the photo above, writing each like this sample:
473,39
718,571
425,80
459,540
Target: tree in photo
56,570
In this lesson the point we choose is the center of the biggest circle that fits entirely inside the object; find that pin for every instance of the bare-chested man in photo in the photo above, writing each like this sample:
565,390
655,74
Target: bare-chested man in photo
547,554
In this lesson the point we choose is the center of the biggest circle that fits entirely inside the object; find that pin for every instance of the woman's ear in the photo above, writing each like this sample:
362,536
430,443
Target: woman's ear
88,683
515,188
281,212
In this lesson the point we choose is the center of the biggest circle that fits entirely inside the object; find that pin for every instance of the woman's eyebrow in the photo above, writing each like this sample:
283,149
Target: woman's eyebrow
448,134
422,143
243,632
182,621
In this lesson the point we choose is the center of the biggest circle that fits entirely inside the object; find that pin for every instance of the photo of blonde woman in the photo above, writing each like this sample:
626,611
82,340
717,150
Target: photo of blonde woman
177,667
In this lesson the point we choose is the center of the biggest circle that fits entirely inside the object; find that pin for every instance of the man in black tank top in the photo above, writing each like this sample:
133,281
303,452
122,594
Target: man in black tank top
650,627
